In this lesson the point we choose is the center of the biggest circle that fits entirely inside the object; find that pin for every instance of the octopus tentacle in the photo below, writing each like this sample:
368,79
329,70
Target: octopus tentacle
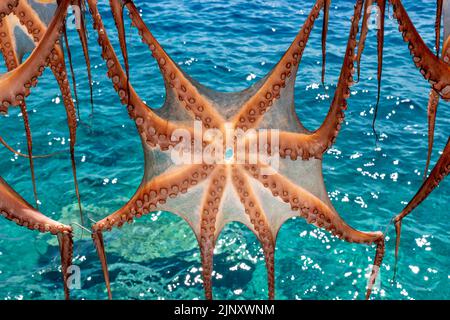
259,221
82,34
16,209
146,199
6,7
69,57
38,29
12,62
363,35
433,103
325,136
439,172
208,229
154,130
117,12
379,255
254,109
432,107
99,244
380,45
316,212
326,14
433,69
398,233
26,123
187,93
157,191
289,144
65,241
13,207
310,207
23,155
15,85
437,25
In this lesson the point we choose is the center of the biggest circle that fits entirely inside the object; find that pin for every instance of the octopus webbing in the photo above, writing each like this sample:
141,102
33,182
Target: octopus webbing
232,191
20,15
209,192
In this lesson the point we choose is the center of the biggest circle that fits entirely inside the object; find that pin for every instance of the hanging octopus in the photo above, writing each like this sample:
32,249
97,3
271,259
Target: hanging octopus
230,190
434,69
260,192
23,17
15,85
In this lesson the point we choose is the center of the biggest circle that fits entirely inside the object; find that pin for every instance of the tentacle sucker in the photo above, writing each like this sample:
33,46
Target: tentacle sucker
259,221
433,69
16,84
285,70
6,6
195,103
325,136
208,227
155,131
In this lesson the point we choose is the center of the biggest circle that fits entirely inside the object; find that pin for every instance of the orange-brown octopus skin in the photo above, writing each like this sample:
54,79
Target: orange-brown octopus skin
28,17
433,69
262,101
13,207
154,130
15,85
6,7
439,172
12,62
432,107
437,24
210,195
380,45
363,35
117,13
381,4
23,155
259,221
195,103
82,33
326,15
208,234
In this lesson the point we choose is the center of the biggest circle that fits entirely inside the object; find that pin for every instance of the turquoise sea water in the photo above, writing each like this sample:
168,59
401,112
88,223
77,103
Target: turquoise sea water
229,45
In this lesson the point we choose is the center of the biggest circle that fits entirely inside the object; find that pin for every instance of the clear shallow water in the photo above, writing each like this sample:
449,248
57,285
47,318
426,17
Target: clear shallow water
229,45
